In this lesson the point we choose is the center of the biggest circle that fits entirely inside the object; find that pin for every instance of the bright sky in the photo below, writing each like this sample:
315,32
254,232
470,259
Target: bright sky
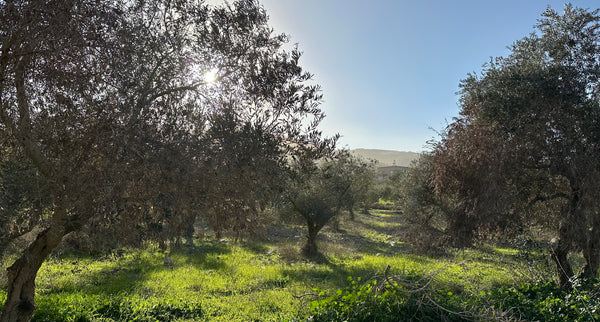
390,69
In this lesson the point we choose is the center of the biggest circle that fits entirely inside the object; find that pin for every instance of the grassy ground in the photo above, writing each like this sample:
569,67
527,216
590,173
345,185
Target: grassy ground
258,280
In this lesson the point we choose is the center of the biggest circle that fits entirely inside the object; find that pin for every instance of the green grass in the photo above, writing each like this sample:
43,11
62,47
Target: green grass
260,280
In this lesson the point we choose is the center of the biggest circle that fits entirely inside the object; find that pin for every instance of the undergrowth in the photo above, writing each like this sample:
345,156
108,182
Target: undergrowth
545,301
267,280
83,307
407,298
417,298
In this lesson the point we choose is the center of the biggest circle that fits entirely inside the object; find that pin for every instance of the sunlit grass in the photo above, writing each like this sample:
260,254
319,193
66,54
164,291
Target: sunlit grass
385,202
506,251
264,281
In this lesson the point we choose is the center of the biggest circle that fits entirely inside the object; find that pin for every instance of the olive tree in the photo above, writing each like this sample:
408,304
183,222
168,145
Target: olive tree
528,134
318,191
427,213
106,104
362,192
246,165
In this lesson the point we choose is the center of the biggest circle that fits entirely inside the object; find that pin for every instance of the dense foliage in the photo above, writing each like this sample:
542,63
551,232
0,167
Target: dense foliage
539,301
106,108
546,301
319,191
380,300
524,151
428,214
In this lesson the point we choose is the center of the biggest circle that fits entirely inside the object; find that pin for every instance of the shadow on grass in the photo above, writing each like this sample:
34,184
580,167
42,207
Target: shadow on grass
118,276
318,258
198,255
364,240
333,277
256,246
128,272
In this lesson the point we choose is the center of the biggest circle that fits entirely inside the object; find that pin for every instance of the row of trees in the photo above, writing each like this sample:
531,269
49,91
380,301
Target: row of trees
109,125
524,150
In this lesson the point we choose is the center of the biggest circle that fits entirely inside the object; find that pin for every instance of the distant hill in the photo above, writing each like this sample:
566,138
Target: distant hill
386,158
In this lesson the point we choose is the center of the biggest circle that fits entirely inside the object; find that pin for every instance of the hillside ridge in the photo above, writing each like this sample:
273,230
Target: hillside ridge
386,158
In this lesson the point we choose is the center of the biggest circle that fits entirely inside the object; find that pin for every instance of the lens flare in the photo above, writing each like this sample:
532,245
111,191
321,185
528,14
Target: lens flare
210,76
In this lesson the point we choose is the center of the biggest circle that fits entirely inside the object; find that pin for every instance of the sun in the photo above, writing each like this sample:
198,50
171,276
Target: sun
211,76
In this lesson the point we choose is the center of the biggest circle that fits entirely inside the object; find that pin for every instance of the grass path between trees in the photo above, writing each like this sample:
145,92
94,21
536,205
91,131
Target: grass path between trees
263,279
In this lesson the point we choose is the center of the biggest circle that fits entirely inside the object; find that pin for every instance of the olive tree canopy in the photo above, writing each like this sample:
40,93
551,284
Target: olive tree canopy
527,139
319,191
105,107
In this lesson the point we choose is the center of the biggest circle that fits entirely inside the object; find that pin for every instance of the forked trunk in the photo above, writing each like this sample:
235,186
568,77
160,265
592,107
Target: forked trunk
310,248
20,303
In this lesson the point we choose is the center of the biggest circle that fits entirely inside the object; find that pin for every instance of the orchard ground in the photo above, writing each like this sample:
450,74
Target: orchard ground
264,279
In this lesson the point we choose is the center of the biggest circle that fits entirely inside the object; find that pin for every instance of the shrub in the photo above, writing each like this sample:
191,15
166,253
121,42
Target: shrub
545,301
427,213
388,300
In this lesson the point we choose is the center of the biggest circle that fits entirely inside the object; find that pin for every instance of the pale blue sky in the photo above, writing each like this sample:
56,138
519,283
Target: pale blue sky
390,69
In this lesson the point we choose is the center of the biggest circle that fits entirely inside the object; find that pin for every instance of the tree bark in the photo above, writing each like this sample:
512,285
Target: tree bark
571,233
20,303
189,233
335,223
310,248
592,262
461,228
591,252
560,252
563,267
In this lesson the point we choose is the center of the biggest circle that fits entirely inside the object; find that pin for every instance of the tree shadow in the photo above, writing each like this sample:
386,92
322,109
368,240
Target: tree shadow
318,258
338,276
198,255
131,270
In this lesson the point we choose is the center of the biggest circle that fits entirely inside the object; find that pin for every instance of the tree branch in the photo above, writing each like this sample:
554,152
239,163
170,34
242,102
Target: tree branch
547,198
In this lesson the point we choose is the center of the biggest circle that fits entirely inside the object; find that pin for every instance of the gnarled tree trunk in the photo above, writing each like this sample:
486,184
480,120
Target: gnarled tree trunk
567,236
461,228
592,260
20,303
310,247
563,267
591,250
